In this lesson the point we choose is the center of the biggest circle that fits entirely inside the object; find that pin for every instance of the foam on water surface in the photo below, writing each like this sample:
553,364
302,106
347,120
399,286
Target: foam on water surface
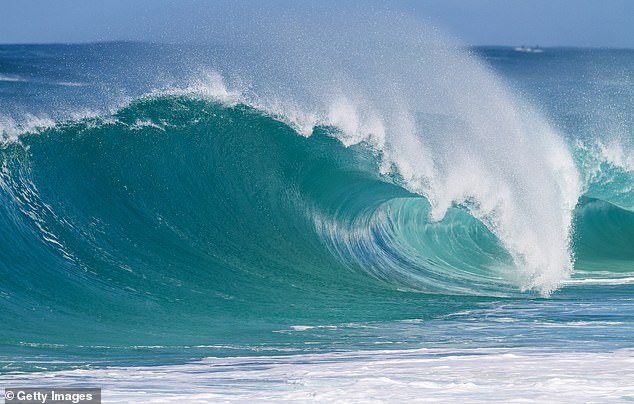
421,375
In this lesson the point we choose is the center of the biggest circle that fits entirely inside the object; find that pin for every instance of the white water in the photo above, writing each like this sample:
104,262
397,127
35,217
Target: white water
422,375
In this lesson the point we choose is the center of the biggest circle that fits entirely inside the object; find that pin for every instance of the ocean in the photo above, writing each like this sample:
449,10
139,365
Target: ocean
359,215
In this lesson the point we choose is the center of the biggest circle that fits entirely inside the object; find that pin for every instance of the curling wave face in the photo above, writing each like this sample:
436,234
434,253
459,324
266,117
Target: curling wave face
186,206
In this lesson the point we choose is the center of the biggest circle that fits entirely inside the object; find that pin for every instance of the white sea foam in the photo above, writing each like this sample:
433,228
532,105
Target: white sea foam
11,129
424,375
140,124
616,154
70,84
601,281
608,170
11,78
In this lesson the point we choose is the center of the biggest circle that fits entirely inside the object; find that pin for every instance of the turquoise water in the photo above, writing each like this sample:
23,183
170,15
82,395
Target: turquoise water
153,214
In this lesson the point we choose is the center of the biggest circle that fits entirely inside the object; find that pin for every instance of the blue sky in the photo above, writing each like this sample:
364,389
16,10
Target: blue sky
597,23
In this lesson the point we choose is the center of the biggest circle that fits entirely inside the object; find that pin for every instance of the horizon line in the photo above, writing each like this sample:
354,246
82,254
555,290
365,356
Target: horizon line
136,41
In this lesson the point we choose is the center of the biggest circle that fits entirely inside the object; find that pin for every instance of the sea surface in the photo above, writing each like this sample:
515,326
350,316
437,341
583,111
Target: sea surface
370,214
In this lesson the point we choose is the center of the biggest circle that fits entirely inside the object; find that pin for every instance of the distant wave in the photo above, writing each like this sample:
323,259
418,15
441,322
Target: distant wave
11,78
70,84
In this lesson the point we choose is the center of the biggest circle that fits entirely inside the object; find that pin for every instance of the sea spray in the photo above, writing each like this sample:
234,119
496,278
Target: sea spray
439,119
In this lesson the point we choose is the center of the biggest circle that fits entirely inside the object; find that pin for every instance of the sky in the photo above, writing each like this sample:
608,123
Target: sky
591,23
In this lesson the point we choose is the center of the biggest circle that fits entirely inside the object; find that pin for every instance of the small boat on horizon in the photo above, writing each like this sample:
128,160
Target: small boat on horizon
528,49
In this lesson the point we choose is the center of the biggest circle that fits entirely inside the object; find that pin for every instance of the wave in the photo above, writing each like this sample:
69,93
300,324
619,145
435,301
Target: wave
441,125
180,215
178,192
337,185
604,234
